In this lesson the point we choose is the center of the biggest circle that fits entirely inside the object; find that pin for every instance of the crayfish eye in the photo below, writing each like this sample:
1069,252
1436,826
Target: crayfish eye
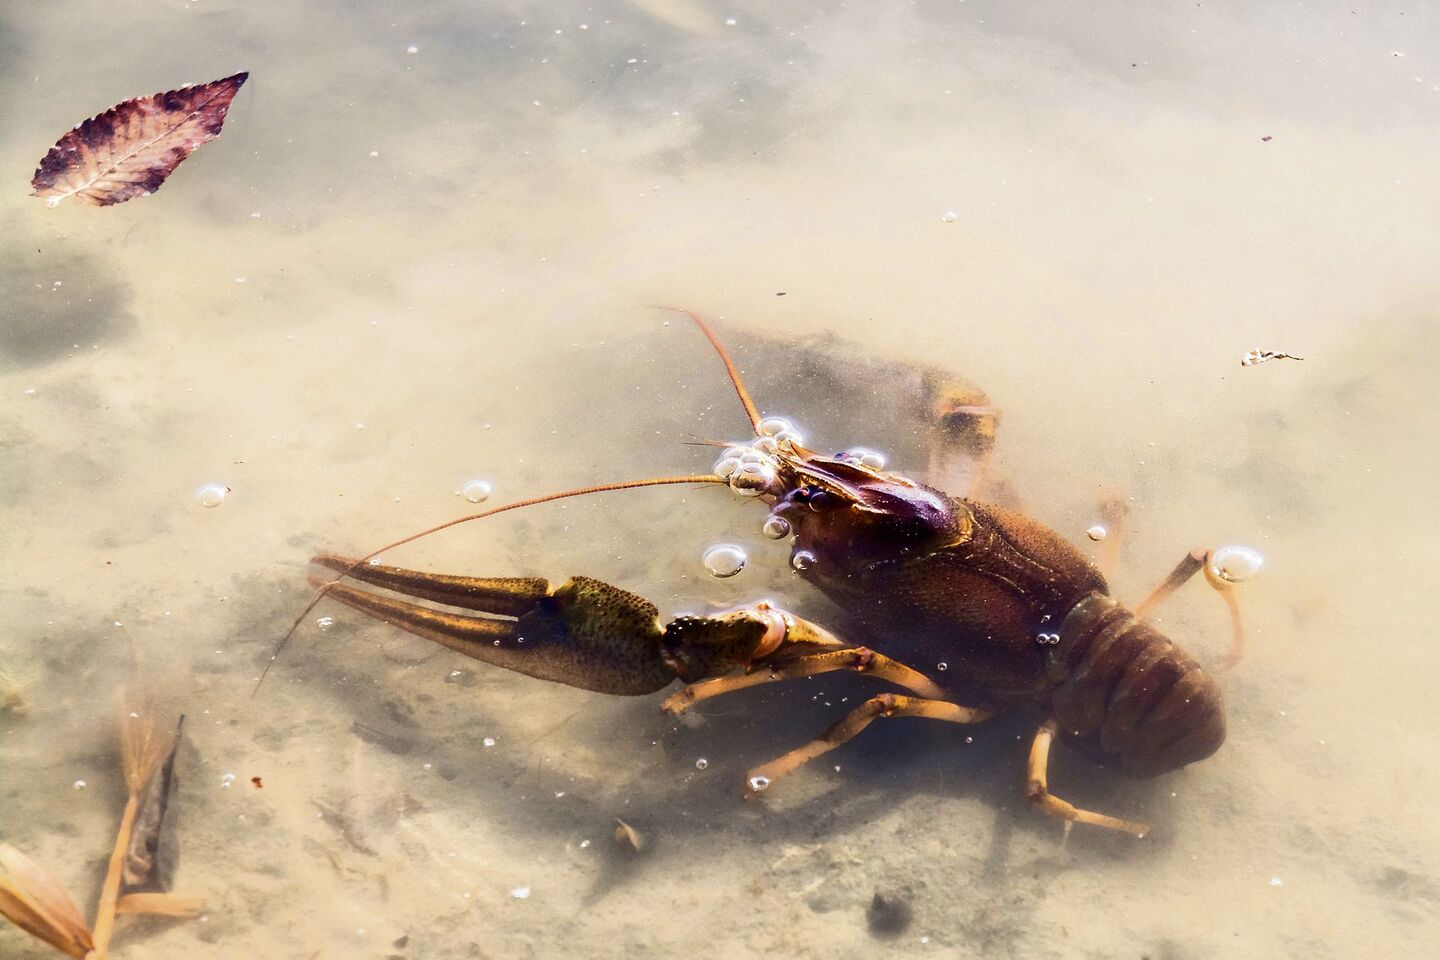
820,499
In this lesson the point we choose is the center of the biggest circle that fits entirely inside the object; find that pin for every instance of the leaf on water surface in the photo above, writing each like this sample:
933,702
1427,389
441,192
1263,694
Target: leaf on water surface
130,149
146,865
36,902
1258,356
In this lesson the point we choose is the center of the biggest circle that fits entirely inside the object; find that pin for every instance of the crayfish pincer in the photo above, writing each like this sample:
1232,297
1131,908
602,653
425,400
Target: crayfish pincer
1012,612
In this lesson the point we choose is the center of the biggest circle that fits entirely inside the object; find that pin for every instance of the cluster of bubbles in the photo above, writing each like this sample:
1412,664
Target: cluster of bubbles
754,468
868,459
1047,639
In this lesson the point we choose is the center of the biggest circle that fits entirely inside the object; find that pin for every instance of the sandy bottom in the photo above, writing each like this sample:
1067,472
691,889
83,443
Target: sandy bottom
343,339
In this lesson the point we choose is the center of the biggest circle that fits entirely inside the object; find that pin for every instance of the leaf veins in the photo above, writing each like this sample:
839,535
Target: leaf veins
130,149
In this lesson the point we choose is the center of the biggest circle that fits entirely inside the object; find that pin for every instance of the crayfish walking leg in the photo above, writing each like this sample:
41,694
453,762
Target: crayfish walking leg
1037,790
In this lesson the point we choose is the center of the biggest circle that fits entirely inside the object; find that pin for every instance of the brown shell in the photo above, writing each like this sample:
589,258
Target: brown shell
130,149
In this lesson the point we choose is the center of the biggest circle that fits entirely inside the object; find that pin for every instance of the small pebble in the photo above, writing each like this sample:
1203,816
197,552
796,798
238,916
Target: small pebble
888,915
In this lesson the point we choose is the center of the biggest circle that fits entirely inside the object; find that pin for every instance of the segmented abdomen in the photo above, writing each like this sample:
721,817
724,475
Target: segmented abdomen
1138,696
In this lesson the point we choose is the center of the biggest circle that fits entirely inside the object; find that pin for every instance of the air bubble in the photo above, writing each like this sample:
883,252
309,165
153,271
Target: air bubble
868,459
726,466
776,528
724,560
520,893
788,440
949,216
942,666
766,445
1096,533
325,623
488,741
1236,564
701,764
751,480
802,560
78,785
211,494
773,426
476,491
759,784
1048,639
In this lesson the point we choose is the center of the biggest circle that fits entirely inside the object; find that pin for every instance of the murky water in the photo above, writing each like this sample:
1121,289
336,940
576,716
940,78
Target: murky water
428,249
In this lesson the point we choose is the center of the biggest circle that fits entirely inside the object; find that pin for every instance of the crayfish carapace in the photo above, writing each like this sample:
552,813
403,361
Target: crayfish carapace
1018,615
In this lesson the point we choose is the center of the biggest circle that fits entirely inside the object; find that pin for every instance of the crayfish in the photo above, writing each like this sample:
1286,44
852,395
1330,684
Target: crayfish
1018,615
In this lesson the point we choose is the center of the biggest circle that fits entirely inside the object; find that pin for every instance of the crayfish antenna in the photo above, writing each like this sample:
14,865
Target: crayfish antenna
530,502
731,370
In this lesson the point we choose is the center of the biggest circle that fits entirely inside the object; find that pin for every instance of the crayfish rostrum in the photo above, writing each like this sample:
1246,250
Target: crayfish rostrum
1017,614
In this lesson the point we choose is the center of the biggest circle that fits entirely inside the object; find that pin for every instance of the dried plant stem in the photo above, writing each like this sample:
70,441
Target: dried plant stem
110,892
36,902
162,904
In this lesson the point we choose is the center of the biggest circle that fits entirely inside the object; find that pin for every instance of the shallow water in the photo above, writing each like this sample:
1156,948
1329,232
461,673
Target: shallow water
397,271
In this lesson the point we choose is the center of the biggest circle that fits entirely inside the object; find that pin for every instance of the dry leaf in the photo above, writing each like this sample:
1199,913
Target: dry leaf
130,149
1258,356
145,866
37,903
